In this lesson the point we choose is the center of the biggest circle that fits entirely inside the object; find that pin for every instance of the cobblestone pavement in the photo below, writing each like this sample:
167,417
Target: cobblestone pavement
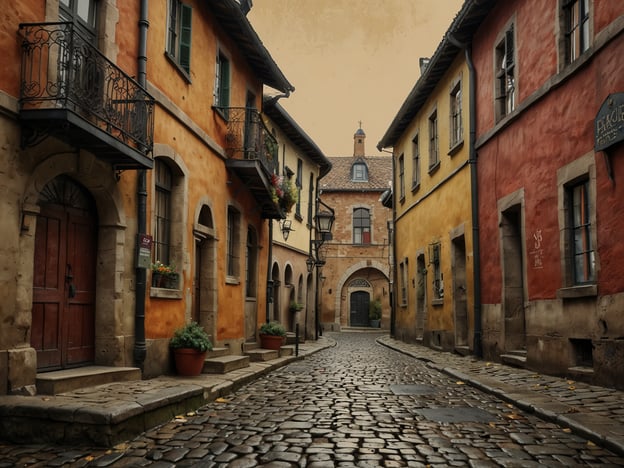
356,404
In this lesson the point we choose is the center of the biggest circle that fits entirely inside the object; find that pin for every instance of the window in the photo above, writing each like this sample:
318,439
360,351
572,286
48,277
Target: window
361,226
438,279
310,199
251,261
576,27
162,214
359,172
233,243
457,127
82,14
179,34
434,158
415,163
222,82
403,280
582,253
505,75
401,177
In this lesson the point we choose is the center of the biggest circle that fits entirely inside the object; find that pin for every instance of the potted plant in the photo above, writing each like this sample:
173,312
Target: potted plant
295,306
374,313
272,335
164,276
283,192
190,344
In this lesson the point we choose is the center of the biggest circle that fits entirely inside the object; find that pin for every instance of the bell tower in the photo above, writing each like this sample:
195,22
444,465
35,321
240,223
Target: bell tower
359,139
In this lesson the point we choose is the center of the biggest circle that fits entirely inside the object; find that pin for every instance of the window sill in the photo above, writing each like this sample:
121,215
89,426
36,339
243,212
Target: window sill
575,292
437,302
165,293
221,112
434,168
177,66
233,280
415,187
456,147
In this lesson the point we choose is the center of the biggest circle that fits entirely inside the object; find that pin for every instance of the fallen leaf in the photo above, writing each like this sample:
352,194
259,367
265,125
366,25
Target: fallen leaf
590,443
488,364
571,387
459,382
222,400
191,413
567,429
570,382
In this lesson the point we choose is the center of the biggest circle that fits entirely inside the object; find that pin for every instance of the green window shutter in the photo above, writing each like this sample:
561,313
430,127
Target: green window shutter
225,83
185,37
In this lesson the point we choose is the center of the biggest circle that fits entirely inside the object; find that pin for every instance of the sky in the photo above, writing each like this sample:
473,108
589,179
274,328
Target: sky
350,61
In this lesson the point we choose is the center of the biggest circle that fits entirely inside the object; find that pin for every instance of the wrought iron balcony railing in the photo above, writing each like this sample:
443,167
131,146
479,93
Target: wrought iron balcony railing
62,71
247,137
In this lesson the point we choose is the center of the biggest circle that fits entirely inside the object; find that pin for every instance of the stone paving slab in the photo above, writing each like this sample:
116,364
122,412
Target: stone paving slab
590,411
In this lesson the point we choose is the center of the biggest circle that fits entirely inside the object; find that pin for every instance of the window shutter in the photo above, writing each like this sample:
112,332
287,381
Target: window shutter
509,48
185,37
225,83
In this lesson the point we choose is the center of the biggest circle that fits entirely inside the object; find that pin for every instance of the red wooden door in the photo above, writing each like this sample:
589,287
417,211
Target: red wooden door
63,313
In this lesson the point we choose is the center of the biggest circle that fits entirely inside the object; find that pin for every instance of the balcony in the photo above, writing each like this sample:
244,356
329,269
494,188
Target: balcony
70,90
252,155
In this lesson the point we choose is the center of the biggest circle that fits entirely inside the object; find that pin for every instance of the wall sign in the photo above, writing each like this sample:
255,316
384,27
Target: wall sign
609,122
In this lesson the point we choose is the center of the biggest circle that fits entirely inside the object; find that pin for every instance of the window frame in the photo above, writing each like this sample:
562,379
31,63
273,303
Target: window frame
415,162
359,172
505,91
163,194
403,285
233,246
572,24
361,226
456,118
402,177
580,223
434,140
579,171
179,36
222,84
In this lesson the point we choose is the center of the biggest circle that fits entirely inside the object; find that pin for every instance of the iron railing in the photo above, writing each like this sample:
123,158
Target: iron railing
62,70
248,137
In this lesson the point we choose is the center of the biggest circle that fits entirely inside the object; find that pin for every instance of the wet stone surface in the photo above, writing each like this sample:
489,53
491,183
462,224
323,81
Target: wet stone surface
358,404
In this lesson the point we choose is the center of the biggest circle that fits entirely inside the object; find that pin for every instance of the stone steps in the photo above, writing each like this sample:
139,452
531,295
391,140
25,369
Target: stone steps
225,364
67,380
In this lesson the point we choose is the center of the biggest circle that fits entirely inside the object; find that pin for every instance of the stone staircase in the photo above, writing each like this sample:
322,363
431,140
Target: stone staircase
515,357
218,361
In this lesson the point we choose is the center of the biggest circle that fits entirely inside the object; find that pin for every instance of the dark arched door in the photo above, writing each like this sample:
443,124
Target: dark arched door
63,310
360,303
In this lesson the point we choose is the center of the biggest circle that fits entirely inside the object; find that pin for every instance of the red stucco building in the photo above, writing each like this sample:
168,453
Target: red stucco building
549,131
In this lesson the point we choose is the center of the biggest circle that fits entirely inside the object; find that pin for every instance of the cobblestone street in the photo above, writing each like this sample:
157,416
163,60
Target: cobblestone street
356,404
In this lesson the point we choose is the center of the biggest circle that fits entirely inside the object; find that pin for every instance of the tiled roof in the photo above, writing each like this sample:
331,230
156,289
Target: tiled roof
339,178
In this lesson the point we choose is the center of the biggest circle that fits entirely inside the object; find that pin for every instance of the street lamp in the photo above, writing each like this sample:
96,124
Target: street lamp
324,224
310,263
285,228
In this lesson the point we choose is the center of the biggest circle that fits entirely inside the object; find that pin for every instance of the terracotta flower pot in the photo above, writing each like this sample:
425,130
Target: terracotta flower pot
189,361
271,341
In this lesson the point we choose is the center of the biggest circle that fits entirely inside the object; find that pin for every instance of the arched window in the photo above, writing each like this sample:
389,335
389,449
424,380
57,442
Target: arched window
359,172
361,226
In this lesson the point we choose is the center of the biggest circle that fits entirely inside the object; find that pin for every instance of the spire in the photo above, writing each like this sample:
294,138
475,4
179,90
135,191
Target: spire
359,139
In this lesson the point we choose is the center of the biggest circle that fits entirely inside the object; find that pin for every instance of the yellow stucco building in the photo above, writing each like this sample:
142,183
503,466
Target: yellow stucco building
433,246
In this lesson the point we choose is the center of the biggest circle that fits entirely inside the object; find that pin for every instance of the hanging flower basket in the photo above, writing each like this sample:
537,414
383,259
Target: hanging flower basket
283,192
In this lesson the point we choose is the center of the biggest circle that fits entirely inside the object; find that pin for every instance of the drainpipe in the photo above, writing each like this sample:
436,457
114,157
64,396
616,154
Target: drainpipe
472,161
269,290
140,349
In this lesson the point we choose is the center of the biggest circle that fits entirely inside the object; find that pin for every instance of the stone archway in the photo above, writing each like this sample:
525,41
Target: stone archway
114,264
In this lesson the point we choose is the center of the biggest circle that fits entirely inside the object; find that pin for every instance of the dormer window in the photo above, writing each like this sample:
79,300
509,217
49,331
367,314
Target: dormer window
359,172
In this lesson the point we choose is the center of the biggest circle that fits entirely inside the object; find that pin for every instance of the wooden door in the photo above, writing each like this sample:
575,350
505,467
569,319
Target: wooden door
360,303
63,311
